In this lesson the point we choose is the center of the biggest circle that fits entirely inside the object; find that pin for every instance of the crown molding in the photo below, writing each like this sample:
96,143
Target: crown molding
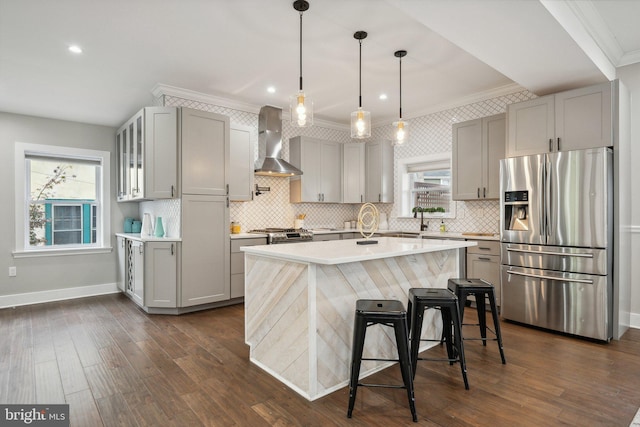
161,89
466,100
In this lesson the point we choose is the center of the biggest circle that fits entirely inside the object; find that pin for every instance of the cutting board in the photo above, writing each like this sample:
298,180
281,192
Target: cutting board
478,234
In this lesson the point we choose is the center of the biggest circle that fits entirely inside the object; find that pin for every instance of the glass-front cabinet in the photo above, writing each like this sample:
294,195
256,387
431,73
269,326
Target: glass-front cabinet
147,152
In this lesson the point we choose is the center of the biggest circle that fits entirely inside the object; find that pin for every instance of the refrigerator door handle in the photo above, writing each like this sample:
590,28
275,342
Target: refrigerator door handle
559,279
581,255
547,200
542,210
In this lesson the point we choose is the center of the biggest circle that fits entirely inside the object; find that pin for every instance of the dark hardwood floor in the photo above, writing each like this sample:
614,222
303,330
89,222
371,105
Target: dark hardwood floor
115,365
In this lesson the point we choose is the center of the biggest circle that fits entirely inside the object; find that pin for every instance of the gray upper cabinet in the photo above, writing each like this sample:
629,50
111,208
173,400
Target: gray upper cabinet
379,172
478,146
205,155
353,173
241,171
571,120
321,165
146,155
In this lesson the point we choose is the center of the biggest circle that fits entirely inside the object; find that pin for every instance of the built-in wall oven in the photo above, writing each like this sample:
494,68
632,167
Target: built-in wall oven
276,236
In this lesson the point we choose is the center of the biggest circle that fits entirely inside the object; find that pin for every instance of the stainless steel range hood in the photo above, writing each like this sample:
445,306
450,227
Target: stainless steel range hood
270,162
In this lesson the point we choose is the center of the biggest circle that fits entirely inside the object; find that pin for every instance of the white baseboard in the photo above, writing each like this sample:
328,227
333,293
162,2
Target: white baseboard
635,320
29,298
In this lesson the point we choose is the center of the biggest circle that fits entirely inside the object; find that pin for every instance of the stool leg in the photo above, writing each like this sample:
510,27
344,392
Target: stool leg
416,331
496,325
359,332
482,315
457,325
400,328
462,303
447,332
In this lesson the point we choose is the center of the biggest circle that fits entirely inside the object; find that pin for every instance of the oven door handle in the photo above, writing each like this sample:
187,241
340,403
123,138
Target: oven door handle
561,279
580,255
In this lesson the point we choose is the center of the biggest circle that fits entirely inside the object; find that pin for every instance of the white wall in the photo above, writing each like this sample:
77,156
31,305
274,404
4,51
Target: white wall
52,277
630,76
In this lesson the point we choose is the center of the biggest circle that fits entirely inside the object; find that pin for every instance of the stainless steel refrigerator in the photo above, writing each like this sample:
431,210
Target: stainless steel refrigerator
556,230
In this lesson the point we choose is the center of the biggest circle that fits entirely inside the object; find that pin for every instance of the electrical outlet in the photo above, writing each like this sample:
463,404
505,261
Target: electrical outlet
12,272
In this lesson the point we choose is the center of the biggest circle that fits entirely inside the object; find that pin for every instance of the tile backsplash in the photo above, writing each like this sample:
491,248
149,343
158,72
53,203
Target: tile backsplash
430,134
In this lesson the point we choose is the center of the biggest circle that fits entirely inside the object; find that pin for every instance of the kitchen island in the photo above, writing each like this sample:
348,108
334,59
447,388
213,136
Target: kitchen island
300,300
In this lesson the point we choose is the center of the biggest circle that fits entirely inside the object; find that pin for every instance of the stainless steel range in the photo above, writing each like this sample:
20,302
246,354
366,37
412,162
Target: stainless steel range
285,235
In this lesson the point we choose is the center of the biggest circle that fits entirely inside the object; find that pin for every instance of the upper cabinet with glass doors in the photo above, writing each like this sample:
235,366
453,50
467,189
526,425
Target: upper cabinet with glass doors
147,152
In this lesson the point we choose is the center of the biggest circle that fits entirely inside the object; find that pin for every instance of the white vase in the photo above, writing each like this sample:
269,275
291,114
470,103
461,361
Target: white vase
147,226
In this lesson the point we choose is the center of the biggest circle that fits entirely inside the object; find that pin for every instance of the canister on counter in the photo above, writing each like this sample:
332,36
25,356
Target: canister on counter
235,227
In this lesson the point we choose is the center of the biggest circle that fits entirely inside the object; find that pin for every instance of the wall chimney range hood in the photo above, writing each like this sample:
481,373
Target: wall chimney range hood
270,162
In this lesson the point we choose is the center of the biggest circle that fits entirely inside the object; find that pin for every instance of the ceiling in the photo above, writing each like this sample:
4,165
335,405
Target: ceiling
458,52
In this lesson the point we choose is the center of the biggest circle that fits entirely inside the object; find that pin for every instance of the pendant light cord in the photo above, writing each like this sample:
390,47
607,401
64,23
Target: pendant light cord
360,77
401,88
301,51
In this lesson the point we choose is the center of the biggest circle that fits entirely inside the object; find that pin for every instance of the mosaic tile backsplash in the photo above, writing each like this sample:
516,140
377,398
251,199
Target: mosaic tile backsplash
430,134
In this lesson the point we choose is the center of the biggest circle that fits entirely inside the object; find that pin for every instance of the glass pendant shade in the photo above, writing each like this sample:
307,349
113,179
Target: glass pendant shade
301,108
360,124
400,132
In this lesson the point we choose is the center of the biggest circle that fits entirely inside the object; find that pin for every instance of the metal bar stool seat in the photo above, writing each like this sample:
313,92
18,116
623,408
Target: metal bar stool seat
387,313
446,301
483,291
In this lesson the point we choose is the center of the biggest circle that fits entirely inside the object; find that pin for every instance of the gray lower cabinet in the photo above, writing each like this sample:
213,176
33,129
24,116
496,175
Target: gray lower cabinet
121,250
325,237
237,263
149,272
483,262
161,274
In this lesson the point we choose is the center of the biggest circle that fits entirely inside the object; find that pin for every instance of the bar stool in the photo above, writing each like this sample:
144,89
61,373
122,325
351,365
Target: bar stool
388,313
447,302
482,290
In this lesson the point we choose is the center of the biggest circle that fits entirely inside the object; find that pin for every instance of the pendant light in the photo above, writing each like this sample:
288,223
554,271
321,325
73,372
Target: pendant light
400,127
300,106
360,119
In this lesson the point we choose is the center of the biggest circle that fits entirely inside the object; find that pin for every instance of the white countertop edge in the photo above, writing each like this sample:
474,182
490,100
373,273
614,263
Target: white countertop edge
248,236
138,237
345,251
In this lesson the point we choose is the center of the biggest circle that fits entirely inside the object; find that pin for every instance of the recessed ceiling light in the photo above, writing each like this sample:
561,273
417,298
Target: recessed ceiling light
75,48
383,96
271,89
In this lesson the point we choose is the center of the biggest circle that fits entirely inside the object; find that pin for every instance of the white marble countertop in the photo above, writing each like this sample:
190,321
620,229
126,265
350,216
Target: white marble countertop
344,251
139,237
429,234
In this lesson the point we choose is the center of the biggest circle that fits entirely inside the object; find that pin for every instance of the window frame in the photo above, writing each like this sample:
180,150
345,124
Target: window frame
103,200
436,161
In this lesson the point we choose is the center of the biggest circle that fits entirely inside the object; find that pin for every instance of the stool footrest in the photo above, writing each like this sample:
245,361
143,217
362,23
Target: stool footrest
381,385
381,360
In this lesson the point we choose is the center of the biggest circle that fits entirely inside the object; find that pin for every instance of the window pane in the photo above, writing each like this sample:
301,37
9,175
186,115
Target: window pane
63,206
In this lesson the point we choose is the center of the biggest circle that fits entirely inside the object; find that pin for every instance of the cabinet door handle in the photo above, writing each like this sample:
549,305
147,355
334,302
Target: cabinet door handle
172,192
227,202
140,249
172,249
558,143
484,259
550,144
227,189
484,192
379,197
361,198
478,192
484,248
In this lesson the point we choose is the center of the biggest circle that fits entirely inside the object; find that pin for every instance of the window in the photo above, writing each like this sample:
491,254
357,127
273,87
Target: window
60,206
426,186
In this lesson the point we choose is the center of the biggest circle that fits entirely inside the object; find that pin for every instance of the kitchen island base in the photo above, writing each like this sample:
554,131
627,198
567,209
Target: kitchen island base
299,315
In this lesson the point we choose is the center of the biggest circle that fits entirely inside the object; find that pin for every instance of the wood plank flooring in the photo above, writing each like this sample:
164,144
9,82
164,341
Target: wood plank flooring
117,366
